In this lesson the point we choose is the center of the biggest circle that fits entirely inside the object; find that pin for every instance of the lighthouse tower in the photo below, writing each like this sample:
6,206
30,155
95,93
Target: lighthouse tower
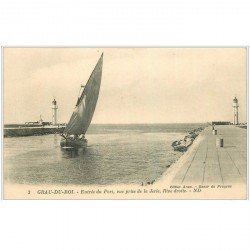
54,112
236,113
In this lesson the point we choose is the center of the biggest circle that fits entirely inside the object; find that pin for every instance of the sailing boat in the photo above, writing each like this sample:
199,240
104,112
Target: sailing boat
74,133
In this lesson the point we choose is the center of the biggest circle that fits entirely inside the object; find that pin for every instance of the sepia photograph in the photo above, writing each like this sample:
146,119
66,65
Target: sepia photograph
125,123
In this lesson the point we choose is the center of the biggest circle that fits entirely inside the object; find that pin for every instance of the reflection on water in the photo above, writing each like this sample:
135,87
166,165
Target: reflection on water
71,152
130,155
55,140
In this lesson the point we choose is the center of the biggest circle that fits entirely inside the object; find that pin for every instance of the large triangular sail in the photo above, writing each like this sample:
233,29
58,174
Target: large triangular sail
86,103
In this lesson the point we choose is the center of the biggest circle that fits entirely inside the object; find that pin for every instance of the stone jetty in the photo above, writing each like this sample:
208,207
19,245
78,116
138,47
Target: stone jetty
30,131
205,163
184,144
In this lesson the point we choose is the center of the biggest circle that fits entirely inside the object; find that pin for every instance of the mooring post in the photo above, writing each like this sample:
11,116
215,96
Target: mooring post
219,143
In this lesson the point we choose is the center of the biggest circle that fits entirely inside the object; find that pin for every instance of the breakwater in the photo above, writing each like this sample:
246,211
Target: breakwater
30,131
186,142
229,163
242,126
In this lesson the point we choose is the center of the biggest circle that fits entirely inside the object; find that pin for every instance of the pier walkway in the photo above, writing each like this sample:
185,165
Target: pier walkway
207,164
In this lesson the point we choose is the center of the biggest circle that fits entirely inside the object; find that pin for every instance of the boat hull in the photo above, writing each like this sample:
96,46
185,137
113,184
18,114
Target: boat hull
73,144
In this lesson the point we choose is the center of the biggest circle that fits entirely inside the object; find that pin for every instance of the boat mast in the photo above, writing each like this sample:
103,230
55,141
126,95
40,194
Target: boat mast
80,94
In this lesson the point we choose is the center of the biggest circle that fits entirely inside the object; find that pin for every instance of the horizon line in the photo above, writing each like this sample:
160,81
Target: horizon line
132,123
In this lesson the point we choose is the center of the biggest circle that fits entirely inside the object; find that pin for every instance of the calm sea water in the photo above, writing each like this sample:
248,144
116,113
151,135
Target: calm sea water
115,154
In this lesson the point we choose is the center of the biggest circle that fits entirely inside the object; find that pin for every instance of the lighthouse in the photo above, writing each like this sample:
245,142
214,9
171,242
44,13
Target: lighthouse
236,113
54,112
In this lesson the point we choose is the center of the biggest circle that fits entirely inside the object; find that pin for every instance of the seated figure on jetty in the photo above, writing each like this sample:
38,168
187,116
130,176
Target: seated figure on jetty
182,145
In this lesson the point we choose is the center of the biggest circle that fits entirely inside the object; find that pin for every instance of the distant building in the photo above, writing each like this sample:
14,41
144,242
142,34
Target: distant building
46,123
32,123
221,123
38,123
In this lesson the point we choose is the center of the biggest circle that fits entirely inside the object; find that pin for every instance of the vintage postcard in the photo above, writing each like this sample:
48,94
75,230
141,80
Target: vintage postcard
125,123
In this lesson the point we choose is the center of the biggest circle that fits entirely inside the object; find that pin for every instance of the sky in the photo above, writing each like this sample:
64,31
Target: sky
139,85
